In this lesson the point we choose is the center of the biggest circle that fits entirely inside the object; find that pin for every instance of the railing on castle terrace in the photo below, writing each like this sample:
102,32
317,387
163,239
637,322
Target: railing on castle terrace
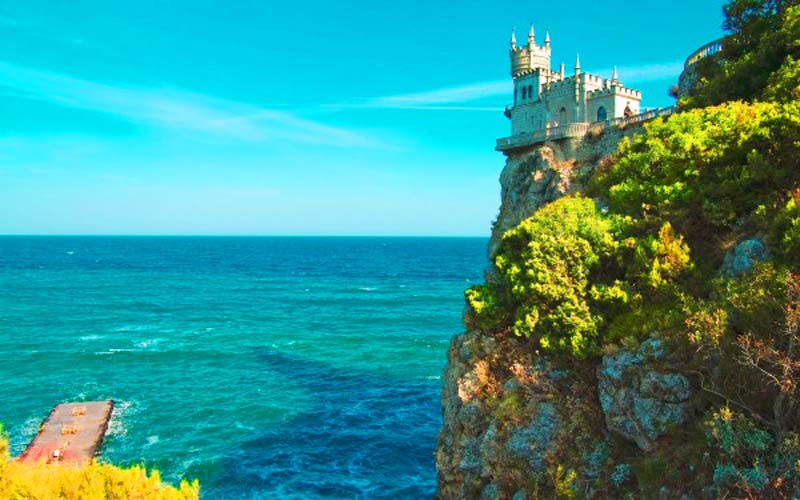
706,50
573,130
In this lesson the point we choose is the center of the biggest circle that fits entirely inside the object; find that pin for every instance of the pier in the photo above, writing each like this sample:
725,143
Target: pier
71,434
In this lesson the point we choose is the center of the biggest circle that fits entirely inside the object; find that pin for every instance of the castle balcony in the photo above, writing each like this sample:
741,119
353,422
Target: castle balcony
543,135
647,115
577,130
688,77
706,50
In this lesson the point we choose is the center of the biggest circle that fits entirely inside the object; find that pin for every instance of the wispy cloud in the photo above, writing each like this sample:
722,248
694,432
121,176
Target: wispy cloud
646,73
458,98
450,95
166,108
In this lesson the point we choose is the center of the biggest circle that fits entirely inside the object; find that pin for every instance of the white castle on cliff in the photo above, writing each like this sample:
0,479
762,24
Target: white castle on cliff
549,105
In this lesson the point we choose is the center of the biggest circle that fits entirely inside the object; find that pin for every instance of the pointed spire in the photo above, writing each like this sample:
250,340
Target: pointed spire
513,39
563,73
547,39
614,76
578,64
531,37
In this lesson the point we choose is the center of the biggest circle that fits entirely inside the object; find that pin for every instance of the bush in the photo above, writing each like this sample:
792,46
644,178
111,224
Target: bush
759,57
545,266
93,481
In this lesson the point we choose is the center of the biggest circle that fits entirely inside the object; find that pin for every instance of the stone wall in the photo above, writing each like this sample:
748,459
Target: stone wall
543,173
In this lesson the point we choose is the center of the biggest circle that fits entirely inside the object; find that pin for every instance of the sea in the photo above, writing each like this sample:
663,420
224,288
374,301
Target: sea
265,367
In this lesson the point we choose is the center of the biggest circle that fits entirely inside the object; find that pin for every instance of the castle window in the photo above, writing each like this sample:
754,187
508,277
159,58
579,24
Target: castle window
602,114
562,116
524,92
530,91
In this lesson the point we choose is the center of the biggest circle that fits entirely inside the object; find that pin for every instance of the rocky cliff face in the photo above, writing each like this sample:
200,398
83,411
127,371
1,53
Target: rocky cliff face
516,424
540,174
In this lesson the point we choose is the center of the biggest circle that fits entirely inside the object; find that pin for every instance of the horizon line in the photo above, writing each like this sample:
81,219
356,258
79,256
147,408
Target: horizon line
173,235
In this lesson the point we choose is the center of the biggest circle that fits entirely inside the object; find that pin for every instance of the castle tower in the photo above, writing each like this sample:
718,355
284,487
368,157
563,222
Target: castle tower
551,105
525,60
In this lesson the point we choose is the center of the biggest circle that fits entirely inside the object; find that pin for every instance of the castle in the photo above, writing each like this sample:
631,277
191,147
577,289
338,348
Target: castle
550,105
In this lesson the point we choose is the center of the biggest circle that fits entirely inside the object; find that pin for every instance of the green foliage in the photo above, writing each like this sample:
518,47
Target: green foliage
706,168
660,259
747,462
755,301
759,56
564,271
93,481
551,264
488,312
710,174
643,319
785,230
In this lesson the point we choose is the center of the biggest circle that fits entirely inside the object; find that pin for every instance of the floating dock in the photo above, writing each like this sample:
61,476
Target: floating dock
72,434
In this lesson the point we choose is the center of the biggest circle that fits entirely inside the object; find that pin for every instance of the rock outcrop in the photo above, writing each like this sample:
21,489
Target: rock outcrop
513,418
540,174
640,401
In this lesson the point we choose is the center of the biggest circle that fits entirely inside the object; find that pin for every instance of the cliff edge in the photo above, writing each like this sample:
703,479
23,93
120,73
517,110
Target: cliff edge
638,333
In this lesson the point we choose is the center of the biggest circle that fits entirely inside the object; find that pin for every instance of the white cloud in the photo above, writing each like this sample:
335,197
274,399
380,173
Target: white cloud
460,94
454,98
173,109
646,73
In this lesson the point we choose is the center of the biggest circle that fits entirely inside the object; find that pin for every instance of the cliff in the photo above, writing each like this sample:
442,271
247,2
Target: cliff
516,418
638,335
537,175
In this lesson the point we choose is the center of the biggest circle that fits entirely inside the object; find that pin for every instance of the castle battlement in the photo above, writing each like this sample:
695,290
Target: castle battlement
531,57
546,100
614,89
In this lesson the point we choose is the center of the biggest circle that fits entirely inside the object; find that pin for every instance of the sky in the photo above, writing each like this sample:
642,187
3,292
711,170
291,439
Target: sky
357,117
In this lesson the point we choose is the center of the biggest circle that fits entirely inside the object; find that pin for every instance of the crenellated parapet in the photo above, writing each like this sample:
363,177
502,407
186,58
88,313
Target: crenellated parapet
615,90
531,57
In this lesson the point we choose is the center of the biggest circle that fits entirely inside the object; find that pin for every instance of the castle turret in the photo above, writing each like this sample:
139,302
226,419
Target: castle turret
532,57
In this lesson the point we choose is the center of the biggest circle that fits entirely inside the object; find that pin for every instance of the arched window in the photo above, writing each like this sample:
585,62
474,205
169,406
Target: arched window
515,96
530,91
562,116
602,114
524,92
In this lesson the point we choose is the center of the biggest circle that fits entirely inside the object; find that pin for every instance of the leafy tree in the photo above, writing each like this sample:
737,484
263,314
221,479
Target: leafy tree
759,57
550,270
709,171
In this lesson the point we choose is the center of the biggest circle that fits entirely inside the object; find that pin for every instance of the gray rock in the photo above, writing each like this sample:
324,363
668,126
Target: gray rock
471,417
488,449
489,492
532,442
470,460
640,402
741,258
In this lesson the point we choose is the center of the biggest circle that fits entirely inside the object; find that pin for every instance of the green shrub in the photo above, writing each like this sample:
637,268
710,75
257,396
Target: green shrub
545,266
759,57
93,481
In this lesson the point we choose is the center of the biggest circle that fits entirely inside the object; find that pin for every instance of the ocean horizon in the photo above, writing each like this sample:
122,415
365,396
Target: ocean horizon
264,366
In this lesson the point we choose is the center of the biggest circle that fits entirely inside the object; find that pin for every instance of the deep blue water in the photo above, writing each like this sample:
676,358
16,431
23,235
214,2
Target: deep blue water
265,367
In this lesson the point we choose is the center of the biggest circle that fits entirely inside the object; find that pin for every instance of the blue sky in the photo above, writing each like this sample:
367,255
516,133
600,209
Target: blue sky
264,117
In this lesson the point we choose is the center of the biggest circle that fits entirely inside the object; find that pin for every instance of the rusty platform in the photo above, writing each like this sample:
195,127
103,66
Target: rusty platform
72,433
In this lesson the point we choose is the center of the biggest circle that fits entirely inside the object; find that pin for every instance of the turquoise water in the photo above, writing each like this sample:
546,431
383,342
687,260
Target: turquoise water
265,367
